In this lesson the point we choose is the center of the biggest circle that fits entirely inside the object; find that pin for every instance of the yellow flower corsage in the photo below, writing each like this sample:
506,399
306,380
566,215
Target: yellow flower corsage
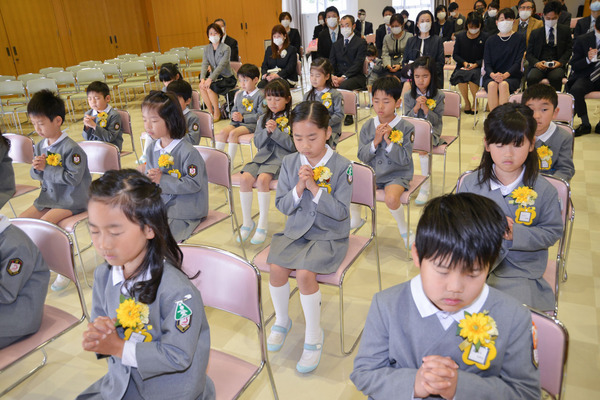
174,173
479,332
431,104
133,317
525,197
283,124
165,160
54,159
545,157
322,175
248,104
326,99
396,136
102,119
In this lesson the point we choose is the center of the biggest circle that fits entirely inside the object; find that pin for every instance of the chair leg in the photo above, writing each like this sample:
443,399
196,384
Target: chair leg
78,250
378,262
444,176
27,375
342,346
408,229
12,209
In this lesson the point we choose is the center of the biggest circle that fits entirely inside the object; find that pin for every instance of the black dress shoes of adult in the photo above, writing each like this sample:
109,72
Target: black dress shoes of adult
349,120
583,129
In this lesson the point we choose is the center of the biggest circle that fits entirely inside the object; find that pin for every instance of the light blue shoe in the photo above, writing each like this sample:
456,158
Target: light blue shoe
311,356
412,239
60,283
277,337
422,198
259,236
245,232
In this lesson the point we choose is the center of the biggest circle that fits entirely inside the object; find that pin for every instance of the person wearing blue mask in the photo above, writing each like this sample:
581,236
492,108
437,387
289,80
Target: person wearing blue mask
586,24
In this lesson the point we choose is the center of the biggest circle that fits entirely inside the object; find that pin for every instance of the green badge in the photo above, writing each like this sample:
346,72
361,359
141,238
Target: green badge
183,316
349,174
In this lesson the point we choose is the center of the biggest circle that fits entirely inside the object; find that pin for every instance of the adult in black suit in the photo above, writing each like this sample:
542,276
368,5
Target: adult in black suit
432,45
362,23
320,26
565,16
329,32
384,29
550,44
284,64
409,26
285,19
584,78
229,41
443,26
585,25
489,18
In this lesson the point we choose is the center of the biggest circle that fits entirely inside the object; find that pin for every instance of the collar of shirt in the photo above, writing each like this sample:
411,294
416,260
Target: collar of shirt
506,190
317,93
45,145
4,223
251,93
349,38
419,93
336,31
119,278
168,149
186,111
548,134
106,110
322,162
392,123
223,38
427,308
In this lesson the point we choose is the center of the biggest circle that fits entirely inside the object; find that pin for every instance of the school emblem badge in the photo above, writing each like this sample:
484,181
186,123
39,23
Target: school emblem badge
117,126
14,266
349,174
76,159
412,137
183,316
192,170
195,127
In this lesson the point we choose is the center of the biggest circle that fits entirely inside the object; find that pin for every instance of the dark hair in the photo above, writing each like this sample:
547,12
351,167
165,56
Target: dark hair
5,142
453,6
220,20
324,66
390,85
98,87
139,199
474,18
350,17
507,12
216,28
362,10
552,6
540,91
510,123
417,30
404,12
427,63
48,104
494,4
525,1
332,9
312,111
463,230
277,88
388,9
285,14
321,15
249,71
168,108
479,1
286,42
371,50
180,88
397,18
439,8
169,72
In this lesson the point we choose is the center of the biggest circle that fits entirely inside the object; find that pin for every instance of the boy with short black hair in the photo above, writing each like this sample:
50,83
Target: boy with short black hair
446,333
183,90
102,122
375,69
554,145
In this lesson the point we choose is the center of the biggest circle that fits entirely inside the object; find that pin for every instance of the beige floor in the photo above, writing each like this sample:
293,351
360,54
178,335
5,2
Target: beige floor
70,370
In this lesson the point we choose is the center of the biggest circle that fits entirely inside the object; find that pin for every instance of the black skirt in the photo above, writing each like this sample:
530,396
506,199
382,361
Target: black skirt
223,85
465,76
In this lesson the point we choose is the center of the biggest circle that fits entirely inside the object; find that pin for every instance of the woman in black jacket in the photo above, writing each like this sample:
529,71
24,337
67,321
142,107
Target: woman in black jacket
280,59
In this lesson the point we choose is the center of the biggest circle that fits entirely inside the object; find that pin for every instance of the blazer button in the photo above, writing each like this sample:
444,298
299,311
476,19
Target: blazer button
389,163
299,208
112,360
312,213
379,162
44,189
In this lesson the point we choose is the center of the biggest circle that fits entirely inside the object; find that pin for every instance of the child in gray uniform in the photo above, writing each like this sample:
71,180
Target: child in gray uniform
102,122
7,174
314,191
183,90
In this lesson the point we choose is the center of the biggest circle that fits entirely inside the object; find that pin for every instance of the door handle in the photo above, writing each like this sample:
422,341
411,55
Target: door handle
110,38
15,51
241,25
115,36
8,51
246,25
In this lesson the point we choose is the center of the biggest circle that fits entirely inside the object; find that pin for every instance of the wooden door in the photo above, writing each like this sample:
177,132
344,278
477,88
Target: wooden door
7,62
33,34
129,26
260,22
178,23
232,13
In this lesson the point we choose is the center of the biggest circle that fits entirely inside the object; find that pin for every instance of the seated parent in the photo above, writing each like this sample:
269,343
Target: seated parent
423,43
394,45
385,28
285,19
229,41
443,26
330,34
280,59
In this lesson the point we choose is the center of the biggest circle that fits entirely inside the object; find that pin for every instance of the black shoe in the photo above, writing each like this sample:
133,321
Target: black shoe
349,120
583,130
469,112
597,128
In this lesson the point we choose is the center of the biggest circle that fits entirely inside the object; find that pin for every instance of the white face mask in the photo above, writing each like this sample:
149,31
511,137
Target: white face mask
396,30
454,14
332,22
551,23
473,31
286,23
595,6
441,15
278,41
424,27
492,13
361,18
524,14
505,26
386,19
321,22
214,39
346,31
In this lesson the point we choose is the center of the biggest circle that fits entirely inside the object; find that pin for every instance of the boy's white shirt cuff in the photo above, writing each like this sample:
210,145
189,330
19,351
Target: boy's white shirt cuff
373,149
129,354
297,199
388,148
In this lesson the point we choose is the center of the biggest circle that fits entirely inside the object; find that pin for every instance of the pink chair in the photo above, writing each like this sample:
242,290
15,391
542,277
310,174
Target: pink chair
21,152
553,351
363,193
370,38
423,133
57,250
232,284
195,100
566,106
126,128
207,127
218,172
449,66
452,108
350,108
235,66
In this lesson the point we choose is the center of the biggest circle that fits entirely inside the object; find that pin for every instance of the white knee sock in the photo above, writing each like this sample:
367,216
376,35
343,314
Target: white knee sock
281,299
220,145
264,201
246,203
311,305
233,147
424,168
354,215
398,215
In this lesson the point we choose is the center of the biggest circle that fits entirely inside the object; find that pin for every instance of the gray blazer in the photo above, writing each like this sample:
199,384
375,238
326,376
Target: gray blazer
255,106
24,278
63,186
396,338
193,127
173,364
561,144
433,116
271,147
217,60
187,197
389,55
112,133
327,220
397,163
7,176
336,109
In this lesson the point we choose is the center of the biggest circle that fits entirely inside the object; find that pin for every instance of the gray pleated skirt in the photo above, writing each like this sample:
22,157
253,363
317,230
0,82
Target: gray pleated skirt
320,256
536,293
